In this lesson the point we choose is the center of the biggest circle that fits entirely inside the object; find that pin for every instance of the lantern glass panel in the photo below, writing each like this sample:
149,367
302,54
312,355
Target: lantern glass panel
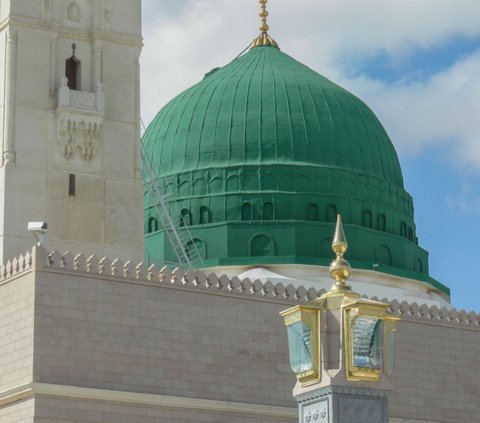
299,346
367,352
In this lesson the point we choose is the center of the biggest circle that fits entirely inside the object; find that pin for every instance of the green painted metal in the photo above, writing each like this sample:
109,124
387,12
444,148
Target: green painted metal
263,153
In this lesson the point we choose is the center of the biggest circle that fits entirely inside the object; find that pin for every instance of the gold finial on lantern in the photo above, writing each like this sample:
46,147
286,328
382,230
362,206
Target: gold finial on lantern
340,268
264,39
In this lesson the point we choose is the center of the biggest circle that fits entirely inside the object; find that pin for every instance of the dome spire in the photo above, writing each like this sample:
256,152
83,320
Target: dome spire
264,39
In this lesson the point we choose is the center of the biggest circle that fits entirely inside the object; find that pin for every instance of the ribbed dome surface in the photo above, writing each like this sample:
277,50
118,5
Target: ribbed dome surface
267,107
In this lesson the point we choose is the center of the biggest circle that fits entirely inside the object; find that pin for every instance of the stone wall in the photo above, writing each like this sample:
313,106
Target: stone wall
16,331
48,410
20,412
192,347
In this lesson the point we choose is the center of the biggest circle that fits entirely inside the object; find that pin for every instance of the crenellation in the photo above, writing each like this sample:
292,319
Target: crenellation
290,291
177,277
55,259
414,309
268,290
405,307
236,285
246,285
257,288
117,268
153,272
79,262
424,309
197,280
104,266
279,290
129,270
16,266
301,294
212,281
67,261
141,271
165,274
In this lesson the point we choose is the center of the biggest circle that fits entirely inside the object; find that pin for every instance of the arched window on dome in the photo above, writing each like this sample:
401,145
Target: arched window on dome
72,71
185,217
216,185
205,215
200,187
152,225
367,218
403,229
185,189
418,265
332,213
410,234
312,212
247,211
197,244
326,247
233,183
262,246
268,211
383,255
382,222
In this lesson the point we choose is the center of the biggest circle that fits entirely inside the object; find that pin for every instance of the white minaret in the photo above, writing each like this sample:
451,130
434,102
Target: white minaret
70,126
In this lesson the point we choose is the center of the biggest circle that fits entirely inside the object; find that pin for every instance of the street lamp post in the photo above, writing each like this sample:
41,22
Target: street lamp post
341,349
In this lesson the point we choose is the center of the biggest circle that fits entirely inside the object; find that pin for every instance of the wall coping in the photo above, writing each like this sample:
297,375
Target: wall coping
39,260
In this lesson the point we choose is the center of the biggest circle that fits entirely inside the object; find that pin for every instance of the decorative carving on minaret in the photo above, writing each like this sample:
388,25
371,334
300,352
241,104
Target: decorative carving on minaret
79,137
79,128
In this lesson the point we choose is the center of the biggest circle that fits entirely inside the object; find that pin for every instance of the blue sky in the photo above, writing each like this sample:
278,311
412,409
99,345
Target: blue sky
416,64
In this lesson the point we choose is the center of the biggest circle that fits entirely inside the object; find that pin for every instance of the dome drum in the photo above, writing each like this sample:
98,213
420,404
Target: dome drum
262,243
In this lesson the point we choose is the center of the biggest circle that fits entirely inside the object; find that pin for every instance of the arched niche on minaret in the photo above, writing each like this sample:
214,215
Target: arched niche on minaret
73,12
77,14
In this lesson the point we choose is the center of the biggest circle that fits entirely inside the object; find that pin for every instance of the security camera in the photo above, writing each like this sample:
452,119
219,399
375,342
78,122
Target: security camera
38,227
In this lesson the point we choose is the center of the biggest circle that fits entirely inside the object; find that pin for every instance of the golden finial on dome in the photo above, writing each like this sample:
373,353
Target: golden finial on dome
264,39
263,15
340,268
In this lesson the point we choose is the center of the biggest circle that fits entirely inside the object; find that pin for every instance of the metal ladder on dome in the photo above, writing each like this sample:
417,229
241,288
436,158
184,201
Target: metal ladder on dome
178,235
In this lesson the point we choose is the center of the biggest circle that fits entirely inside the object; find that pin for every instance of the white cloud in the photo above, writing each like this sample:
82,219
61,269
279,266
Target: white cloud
327,35
443,109
465,201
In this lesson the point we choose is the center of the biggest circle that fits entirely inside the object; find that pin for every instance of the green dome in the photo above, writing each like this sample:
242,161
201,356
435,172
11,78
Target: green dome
263,153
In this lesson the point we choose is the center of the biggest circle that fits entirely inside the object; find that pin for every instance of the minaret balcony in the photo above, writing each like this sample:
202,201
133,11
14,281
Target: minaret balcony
81,100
